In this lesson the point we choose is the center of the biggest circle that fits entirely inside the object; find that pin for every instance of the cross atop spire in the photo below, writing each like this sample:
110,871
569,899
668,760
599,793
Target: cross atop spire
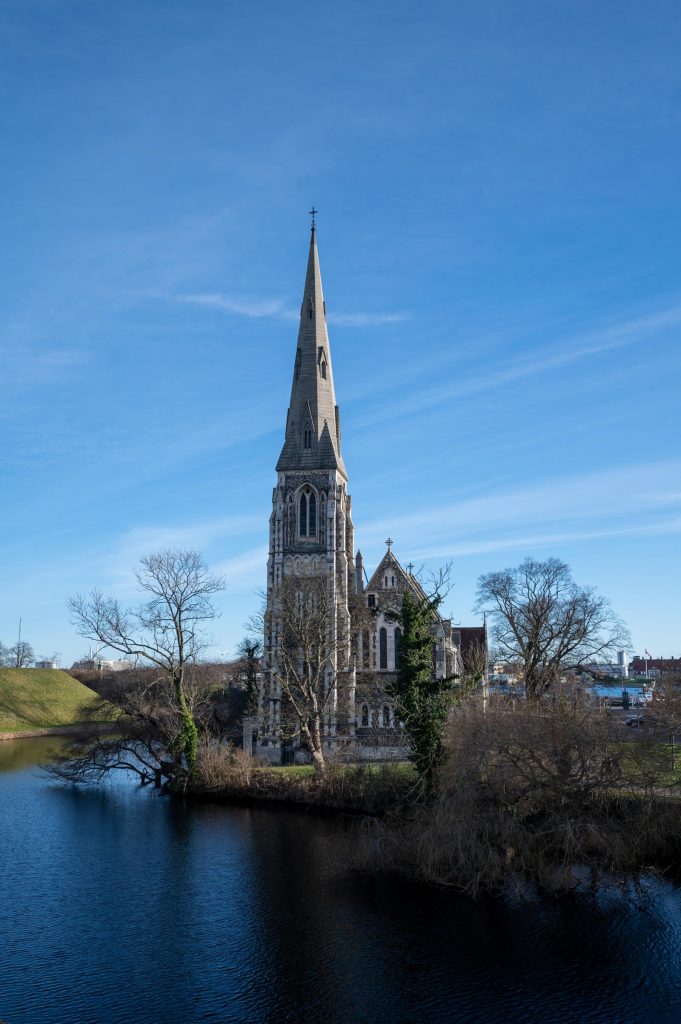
313,214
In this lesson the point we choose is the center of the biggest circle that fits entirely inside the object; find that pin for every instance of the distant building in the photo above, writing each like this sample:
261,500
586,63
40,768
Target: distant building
655,668
619,669
103,665
47,663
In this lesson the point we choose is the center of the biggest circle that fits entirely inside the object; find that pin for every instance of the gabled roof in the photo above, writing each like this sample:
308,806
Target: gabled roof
313,401
390,564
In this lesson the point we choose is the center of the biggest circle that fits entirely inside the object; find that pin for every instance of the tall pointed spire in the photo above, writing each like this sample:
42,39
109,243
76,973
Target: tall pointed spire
313,424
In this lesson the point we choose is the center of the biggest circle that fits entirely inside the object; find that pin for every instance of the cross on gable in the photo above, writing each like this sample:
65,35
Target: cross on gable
390,543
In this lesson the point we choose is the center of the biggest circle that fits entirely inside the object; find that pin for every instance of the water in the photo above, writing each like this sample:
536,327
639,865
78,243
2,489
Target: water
117,905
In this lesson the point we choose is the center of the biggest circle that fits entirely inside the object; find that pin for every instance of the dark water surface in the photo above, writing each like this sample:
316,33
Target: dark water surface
117,905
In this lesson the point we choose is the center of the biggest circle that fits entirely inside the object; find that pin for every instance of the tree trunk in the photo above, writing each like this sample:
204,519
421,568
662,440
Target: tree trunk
314,739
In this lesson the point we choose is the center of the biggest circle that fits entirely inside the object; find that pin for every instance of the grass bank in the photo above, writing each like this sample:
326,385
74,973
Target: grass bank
372,789
33,700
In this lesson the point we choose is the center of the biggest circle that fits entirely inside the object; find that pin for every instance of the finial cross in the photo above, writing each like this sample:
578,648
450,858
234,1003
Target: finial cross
390,543
410,568
313,214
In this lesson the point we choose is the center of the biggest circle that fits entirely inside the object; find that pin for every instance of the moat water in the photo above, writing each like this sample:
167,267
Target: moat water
118,905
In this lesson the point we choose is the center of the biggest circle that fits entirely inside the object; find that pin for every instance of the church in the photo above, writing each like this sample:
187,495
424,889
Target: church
331,632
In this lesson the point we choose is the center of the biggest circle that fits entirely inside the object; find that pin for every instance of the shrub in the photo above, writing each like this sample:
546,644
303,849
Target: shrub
542,794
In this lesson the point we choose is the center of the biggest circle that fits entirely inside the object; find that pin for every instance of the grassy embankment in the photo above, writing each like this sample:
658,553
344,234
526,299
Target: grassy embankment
34,699
351,788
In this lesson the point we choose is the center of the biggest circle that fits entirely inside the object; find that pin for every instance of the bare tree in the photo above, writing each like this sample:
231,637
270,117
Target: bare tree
21,655
475,663
665,712
543,619
164,631
309,643
150,730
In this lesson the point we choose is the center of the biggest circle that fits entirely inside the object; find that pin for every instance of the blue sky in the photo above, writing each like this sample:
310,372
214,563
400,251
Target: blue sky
498,186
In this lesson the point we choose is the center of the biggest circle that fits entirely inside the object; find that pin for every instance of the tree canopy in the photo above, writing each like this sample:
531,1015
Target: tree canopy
547,622
164,631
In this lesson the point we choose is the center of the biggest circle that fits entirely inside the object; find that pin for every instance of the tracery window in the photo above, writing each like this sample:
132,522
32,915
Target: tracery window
307,513
383,647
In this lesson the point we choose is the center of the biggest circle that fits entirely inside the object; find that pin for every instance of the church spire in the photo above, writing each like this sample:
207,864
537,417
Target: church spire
313,424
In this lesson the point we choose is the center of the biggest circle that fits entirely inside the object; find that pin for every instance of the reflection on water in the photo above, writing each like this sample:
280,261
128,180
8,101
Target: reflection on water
16,754
119,905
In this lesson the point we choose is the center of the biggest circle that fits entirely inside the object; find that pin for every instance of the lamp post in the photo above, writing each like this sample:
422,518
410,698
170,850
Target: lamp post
646,657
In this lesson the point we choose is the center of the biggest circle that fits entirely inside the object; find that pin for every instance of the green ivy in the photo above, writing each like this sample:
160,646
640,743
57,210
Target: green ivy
423,701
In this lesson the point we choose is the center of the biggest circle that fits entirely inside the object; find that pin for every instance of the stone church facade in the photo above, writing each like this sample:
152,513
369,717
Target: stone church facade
312,542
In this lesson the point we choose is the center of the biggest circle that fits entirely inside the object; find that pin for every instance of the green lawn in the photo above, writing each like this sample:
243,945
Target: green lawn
398,769
41,698
649,763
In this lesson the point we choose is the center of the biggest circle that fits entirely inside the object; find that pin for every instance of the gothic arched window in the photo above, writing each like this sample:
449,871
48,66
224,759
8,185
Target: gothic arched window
365,716
386,716
303,515
324,370
312,515
307,513
398,643
383,647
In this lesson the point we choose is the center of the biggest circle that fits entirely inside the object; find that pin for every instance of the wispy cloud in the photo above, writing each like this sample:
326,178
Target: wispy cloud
246,571
117,567
366,319
626,499
275,308
241,307
528,543
593,343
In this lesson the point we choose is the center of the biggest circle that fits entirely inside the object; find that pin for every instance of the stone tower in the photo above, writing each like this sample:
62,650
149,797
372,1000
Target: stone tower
311,532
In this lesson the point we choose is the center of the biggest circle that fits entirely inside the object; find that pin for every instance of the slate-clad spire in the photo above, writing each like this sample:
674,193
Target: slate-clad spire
313,423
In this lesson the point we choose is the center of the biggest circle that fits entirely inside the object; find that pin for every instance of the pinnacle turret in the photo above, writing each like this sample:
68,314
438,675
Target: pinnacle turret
313,423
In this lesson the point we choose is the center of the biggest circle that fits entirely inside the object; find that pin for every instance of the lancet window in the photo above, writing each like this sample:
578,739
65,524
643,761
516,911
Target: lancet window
307,513
383,647
398,642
